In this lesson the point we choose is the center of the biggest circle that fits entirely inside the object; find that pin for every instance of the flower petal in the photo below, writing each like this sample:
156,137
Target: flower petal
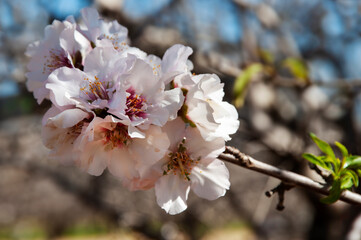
210,182
172,193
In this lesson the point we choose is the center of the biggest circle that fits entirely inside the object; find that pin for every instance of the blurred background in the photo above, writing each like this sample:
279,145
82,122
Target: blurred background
297,65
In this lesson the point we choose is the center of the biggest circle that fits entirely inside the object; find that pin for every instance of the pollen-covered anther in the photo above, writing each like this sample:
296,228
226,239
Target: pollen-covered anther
95,89
180,162
136,105
117,137
54,60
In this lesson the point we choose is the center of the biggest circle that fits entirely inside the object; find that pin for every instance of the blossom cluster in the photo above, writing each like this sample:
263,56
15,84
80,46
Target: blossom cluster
149,121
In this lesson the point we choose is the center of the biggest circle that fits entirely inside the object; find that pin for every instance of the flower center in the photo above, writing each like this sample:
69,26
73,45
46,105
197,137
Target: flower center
55,59
180,162
95,89
136,105
117,137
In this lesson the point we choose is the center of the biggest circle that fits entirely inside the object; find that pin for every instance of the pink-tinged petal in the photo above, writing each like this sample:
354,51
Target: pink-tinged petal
173,101
98,163
172,193
64,85
210,182
92,158
149,150
121,164
136,184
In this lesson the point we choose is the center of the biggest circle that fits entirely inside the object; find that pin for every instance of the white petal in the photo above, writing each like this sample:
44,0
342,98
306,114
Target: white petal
176,131
64,85
175,60
210,182
225,114
200,113
69,118
198,147
134,132
173,101
172,193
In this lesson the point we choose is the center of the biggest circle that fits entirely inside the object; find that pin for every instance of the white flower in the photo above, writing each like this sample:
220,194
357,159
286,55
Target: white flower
113,84
62,46
204,106
190,164
61,129
106,143
102,33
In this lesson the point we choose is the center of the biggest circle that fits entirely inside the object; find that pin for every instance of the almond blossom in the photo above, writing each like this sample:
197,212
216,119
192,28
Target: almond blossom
204,106
148,120
191,163
106,143
60,131
62,46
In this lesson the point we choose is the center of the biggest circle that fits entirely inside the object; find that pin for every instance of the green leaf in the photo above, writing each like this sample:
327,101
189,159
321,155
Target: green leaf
328,162
323,146
342,148
346,182
349,175
266,56
298,68
335,192
242,81
353,162
316,160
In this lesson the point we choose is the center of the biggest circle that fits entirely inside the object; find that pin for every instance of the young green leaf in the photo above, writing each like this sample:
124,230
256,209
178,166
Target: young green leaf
342,148
353,162
298,68
317,161
242,82
335,192
323,146
347,173
346,182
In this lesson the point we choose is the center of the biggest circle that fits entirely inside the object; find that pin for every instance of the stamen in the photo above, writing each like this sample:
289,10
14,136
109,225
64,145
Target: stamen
96,89
136,105
180,162
55,59
117,137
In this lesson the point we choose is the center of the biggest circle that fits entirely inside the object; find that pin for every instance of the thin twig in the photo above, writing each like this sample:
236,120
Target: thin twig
234,156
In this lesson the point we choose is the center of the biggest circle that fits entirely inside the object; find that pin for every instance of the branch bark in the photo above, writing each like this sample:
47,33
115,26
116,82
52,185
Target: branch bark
234,156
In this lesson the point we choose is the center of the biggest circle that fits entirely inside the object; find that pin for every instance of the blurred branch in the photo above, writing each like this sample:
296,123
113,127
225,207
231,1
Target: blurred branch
234,156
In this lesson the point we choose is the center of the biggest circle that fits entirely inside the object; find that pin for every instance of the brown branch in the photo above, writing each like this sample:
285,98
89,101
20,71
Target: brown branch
234,156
